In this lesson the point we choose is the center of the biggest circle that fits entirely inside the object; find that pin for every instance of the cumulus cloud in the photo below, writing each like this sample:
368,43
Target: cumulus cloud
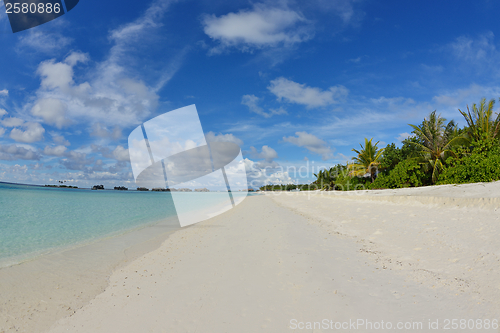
59,139
212,137
54,151
260,27
102,131
311,143
52,111
121,154
403,136
109,98
14,152
12,122
75,160
311,97
267,153
252,102
33,132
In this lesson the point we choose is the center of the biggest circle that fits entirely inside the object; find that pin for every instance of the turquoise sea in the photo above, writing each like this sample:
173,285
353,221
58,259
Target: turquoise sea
36,220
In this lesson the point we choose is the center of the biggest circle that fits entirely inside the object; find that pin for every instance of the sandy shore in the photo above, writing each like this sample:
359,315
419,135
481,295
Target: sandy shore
278,262
36,293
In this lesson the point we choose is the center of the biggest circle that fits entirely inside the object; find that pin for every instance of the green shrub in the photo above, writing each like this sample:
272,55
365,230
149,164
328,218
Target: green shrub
480,165
346,183
408,173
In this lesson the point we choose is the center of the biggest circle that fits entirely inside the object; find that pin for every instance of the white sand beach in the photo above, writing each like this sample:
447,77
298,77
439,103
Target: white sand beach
310,261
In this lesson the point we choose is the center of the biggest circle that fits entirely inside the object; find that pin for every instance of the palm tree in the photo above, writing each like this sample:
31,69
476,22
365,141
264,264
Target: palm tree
325,178
367,161
436,141
481,126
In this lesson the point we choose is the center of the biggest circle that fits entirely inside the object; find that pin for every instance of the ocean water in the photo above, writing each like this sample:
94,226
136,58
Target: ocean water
38,220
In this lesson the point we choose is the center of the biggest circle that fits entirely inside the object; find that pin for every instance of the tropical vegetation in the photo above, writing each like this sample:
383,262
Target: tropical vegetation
367,161
437,152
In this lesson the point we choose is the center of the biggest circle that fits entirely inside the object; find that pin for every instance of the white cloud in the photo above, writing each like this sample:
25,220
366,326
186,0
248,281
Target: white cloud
76,57
461,97
102,131
42,41
279,110
479,49
34,132
106,91
60,74
267,153
133,31
312,143
433,69
52,111
4,92
212,137
294,92
259,27
252,102
121,154
3,112
343,8
392,100
14,152
475,55
59,139
2,131
403,136
55,151
109,98
99,130
393,103
12,122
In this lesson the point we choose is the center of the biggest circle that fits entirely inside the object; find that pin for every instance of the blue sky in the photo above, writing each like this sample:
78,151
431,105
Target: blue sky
294,83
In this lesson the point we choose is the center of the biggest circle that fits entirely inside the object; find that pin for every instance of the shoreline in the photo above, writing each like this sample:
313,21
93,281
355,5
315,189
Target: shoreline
55,284
33,256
